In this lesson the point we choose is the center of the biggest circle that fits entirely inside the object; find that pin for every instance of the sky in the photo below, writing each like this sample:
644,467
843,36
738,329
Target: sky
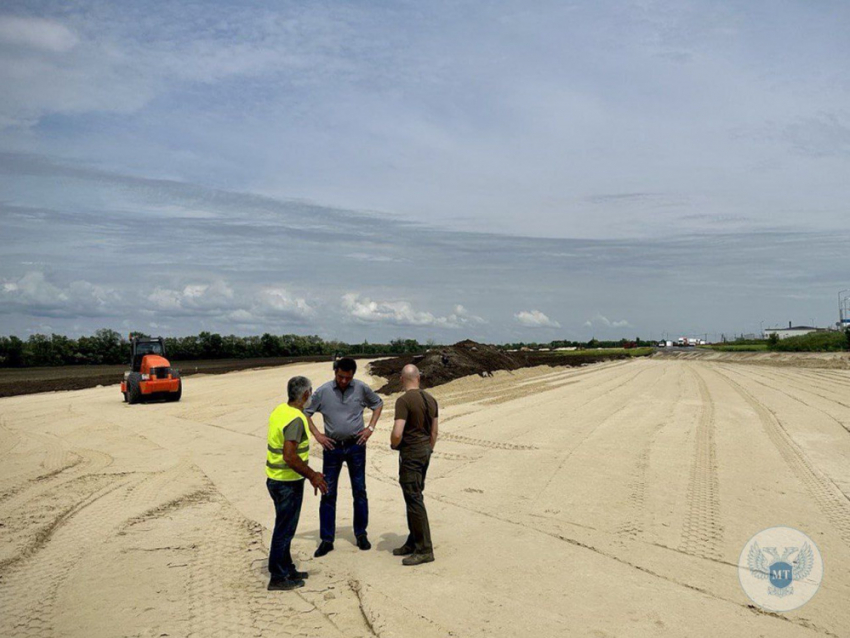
496,170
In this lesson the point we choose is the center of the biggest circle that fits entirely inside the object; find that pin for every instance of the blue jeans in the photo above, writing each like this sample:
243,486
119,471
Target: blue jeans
287,497
354,456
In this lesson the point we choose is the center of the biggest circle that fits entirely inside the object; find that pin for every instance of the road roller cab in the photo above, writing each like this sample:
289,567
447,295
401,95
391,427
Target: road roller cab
150,375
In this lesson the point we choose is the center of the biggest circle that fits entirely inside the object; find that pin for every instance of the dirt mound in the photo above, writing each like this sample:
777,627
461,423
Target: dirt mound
465,358
441,365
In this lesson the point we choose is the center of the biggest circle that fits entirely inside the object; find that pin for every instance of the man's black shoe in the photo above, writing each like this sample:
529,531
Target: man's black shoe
285,584
404,550
296,575
324,548
363,542
418,559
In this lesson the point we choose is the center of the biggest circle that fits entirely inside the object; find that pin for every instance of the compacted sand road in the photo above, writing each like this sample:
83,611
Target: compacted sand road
605,501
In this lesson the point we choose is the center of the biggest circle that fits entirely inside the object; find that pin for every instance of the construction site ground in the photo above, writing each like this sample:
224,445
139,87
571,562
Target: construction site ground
607,500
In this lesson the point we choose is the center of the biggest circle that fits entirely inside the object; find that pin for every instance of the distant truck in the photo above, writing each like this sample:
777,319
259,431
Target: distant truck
665,344
689,342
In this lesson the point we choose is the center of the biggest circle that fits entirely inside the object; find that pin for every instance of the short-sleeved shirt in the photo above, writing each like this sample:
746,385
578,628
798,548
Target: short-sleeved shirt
411,406
343,411
294,431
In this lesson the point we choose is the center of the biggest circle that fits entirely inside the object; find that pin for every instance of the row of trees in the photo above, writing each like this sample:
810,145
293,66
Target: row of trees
825,341
110,347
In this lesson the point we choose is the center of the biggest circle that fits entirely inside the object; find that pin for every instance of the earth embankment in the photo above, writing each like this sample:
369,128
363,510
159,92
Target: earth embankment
469,358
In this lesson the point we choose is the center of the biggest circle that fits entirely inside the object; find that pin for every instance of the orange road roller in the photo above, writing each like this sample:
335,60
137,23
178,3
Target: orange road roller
150,375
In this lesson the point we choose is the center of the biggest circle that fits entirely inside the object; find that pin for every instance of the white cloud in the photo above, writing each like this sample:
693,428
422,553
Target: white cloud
33,288
370,257
213,296
218,299
35,294
278,301
166,299
111,61
241,316
401,313
36,33
601,320
461,316
535,319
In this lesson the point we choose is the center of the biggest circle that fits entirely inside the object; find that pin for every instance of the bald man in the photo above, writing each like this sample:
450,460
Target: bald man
414,435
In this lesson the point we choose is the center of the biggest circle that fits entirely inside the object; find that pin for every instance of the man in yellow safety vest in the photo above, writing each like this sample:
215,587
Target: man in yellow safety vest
286,469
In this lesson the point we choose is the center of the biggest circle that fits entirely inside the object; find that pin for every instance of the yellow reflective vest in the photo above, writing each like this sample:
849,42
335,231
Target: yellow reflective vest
276,467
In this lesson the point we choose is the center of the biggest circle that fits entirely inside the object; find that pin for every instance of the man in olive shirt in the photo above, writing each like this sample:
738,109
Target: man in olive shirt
414,435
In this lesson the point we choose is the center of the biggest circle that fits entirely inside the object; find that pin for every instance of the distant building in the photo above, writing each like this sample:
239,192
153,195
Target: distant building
791,331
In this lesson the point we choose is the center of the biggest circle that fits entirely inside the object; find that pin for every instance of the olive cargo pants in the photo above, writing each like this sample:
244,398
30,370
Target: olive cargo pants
412,468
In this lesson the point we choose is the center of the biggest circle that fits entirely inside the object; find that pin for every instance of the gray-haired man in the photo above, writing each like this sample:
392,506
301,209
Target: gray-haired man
286,469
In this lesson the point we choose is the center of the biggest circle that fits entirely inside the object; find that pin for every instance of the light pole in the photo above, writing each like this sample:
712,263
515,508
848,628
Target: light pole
761,328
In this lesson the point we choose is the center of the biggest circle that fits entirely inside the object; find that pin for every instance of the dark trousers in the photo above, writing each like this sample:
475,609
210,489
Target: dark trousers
412,467
354,456
287,497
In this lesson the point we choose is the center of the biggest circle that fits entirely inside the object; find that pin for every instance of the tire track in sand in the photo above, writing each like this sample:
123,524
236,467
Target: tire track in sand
829,498
634,524
9,439
493,445
613,555
30,583
702,532
786,394
593,428
29,588
44,458
227,598
805,385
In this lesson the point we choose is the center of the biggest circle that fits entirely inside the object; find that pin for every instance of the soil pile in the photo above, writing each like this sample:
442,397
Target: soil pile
441,365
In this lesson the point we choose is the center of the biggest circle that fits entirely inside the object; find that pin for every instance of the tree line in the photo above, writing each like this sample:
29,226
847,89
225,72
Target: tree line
110,347
107,346
822,341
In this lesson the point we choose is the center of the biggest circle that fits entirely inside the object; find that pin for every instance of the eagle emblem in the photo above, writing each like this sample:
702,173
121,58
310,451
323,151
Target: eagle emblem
780,571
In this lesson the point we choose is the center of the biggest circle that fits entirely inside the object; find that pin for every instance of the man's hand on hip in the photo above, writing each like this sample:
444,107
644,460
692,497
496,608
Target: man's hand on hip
364,436
324,440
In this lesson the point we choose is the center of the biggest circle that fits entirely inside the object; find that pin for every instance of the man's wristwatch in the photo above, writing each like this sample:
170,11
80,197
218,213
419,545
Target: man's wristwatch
371,428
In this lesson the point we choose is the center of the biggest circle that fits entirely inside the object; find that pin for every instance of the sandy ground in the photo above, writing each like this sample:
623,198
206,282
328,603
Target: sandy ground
819,360
611,500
